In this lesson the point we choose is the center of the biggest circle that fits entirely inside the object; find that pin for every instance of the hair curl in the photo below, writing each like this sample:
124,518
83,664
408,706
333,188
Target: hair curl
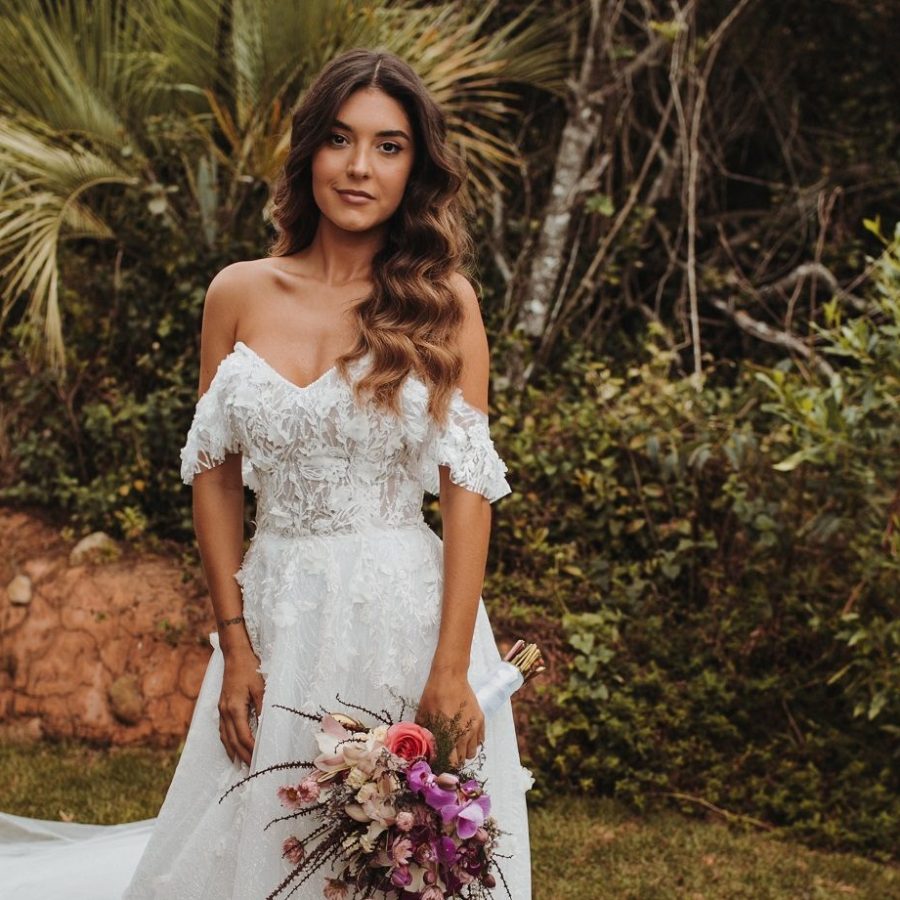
410,319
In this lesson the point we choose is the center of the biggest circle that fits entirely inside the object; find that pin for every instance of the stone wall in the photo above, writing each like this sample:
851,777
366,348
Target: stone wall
97,642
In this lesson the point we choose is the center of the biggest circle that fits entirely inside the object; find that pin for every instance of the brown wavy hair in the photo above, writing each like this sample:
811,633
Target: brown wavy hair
412,316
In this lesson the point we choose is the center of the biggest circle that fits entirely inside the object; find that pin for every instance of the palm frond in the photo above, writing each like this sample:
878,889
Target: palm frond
41,203
76,65
469,72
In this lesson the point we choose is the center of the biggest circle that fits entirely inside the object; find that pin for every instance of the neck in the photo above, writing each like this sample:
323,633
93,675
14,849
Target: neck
337,257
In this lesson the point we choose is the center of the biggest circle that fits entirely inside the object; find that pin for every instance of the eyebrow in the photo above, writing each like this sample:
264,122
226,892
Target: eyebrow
389,133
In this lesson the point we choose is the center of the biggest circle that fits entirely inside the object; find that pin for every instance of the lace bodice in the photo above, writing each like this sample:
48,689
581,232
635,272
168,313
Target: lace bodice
320,464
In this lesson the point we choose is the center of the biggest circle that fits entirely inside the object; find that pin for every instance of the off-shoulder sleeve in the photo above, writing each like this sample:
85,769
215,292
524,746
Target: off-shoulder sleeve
211,435
465,446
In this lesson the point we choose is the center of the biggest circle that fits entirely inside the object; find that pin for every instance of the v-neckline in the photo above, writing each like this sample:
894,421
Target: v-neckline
297,387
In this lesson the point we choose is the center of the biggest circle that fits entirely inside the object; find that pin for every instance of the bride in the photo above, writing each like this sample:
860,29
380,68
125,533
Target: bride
341,377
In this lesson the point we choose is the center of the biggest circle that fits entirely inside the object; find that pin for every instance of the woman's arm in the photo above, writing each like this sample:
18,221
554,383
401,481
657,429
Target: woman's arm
466,518
218,514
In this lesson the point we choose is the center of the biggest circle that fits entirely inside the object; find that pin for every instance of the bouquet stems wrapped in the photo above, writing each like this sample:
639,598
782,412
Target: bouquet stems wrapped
522,663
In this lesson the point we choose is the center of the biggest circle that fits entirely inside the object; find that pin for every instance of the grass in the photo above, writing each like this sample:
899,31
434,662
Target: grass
581,847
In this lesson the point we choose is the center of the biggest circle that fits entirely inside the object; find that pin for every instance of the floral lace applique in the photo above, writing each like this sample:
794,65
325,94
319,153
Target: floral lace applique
320,464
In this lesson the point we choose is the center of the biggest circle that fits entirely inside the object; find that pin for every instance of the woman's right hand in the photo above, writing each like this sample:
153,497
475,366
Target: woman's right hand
242,688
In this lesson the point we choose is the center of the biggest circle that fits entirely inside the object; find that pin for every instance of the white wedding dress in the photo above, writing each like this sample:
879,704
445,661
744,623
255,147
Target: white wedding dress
342,589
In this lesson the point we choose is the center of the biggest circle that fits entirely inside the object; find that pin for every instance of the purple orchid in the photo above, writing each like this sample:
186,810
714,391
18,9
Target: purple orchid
469,816
420,778
401,877
447,851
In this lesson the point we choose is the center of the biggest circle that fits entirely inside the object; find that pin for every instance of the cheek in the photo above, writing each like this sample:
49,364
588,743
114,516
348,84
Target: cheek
324,166
397,178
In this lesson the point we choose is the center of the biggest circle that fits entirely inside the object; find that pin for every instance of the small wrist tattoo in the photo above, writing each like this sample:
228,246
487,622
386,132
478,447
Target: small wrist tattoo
223,622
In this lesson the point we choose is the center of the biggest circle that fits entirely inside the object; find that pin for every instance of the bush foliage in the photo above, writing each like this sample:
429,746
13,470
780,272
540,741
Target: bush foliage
724,564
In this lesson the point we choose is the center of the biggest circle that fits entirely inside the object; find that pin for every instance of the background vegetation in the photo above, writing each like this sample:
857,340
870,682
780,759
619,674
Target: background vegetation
691,277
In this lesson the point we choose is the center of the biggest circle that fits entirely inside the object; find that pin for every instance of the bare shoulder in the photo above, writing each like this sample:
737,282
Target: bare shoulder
226,297
473,344
232,282
465,291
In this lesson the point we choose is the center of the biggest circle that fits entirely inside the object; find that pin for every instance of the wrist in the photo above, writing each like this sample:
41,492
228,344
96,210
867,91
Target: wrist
447,665
233,638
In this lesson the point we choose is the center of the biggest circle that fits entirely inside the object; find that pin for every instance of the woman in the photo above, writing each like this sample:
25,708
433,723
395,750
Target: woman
340,378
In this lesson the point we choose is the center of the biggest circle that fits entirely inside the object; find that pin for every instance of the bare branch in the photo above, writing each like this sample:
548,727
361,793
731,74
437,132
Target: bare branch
770,335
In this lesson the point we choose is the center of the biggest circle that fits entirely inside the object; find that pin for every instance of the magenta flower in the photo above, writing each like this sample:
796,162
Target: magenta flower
469,816
420,778
401,876
417,775
447,852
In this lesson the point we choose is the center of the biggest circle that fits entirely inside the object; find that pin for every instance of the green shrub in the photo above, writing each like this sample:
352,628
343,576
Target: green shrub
724,565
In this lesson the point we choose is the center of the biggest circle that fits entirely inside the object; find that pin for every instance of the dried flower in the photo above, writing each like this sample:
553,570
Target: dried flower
335,890
292,849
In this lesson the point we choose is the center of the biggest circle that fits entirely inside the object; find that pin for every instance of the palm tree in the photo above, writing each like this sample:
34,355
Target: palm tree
187,102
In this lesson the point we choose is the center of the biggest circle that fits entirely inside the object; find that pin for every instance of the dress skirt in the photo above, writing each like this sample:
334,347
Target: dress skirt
354,615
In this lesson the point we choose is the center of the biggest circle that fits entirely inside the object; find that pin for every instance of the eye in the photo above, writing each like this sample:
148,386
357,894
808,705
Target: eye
392,144
334,134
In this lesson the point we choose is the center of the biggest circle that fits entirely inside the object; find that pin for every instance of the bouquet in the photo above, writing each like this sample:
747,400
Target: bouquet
391,812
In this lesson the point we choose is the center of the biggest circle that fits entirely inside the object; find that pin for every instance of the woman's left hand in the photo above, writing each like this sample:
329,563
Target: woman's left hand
448,694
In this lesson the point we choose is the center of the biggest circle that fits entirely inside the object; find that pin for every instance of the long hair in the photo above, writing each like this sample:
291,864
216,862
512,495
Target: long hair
411,318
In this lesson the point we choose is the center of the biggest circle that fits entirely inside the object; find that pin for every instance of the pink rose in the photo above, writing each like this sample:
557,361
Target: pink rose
405,820
410,741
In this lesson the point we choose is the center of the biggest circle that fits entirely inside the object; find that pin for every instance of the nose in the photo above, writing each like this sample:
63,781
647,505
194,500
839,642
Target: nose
358,166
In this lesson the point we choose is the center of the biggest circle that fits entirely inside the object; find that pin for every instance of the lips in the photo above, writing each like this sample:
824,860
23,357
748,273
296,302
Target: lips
357,194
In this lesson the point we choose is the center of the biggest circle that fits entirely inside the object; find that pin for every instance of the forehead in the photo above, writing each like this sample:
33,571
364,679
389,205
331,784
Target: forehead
371,111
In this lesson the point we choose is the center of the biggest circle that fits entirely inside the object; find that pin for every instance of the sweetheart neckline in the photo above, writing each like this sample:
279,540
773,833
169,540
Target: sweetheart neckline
297,387
457,391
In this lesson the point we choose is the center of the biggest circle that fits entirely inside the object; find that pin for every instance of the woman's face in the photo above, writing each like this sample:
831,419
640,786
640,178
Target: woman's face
369,149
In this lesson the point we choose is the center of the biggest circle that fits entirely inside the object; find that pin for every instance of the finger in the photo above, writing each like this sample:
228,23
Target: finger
224,736
237,749
244,737
258,702
230,739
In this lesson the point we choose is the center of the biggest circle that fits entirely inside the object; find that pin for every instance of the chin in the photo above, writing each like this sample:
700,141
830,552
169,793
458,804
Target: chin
356,223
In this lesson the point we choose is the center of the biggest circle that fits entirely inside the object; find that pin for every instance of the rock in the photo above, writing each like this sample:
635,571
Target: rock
125,699
26,731
87,657
96,546
19,590
39,568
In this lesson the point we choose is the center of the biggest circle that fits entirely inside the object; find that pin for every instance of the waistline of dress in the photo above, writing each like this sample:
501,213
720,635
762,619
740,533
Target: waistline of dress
364,529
